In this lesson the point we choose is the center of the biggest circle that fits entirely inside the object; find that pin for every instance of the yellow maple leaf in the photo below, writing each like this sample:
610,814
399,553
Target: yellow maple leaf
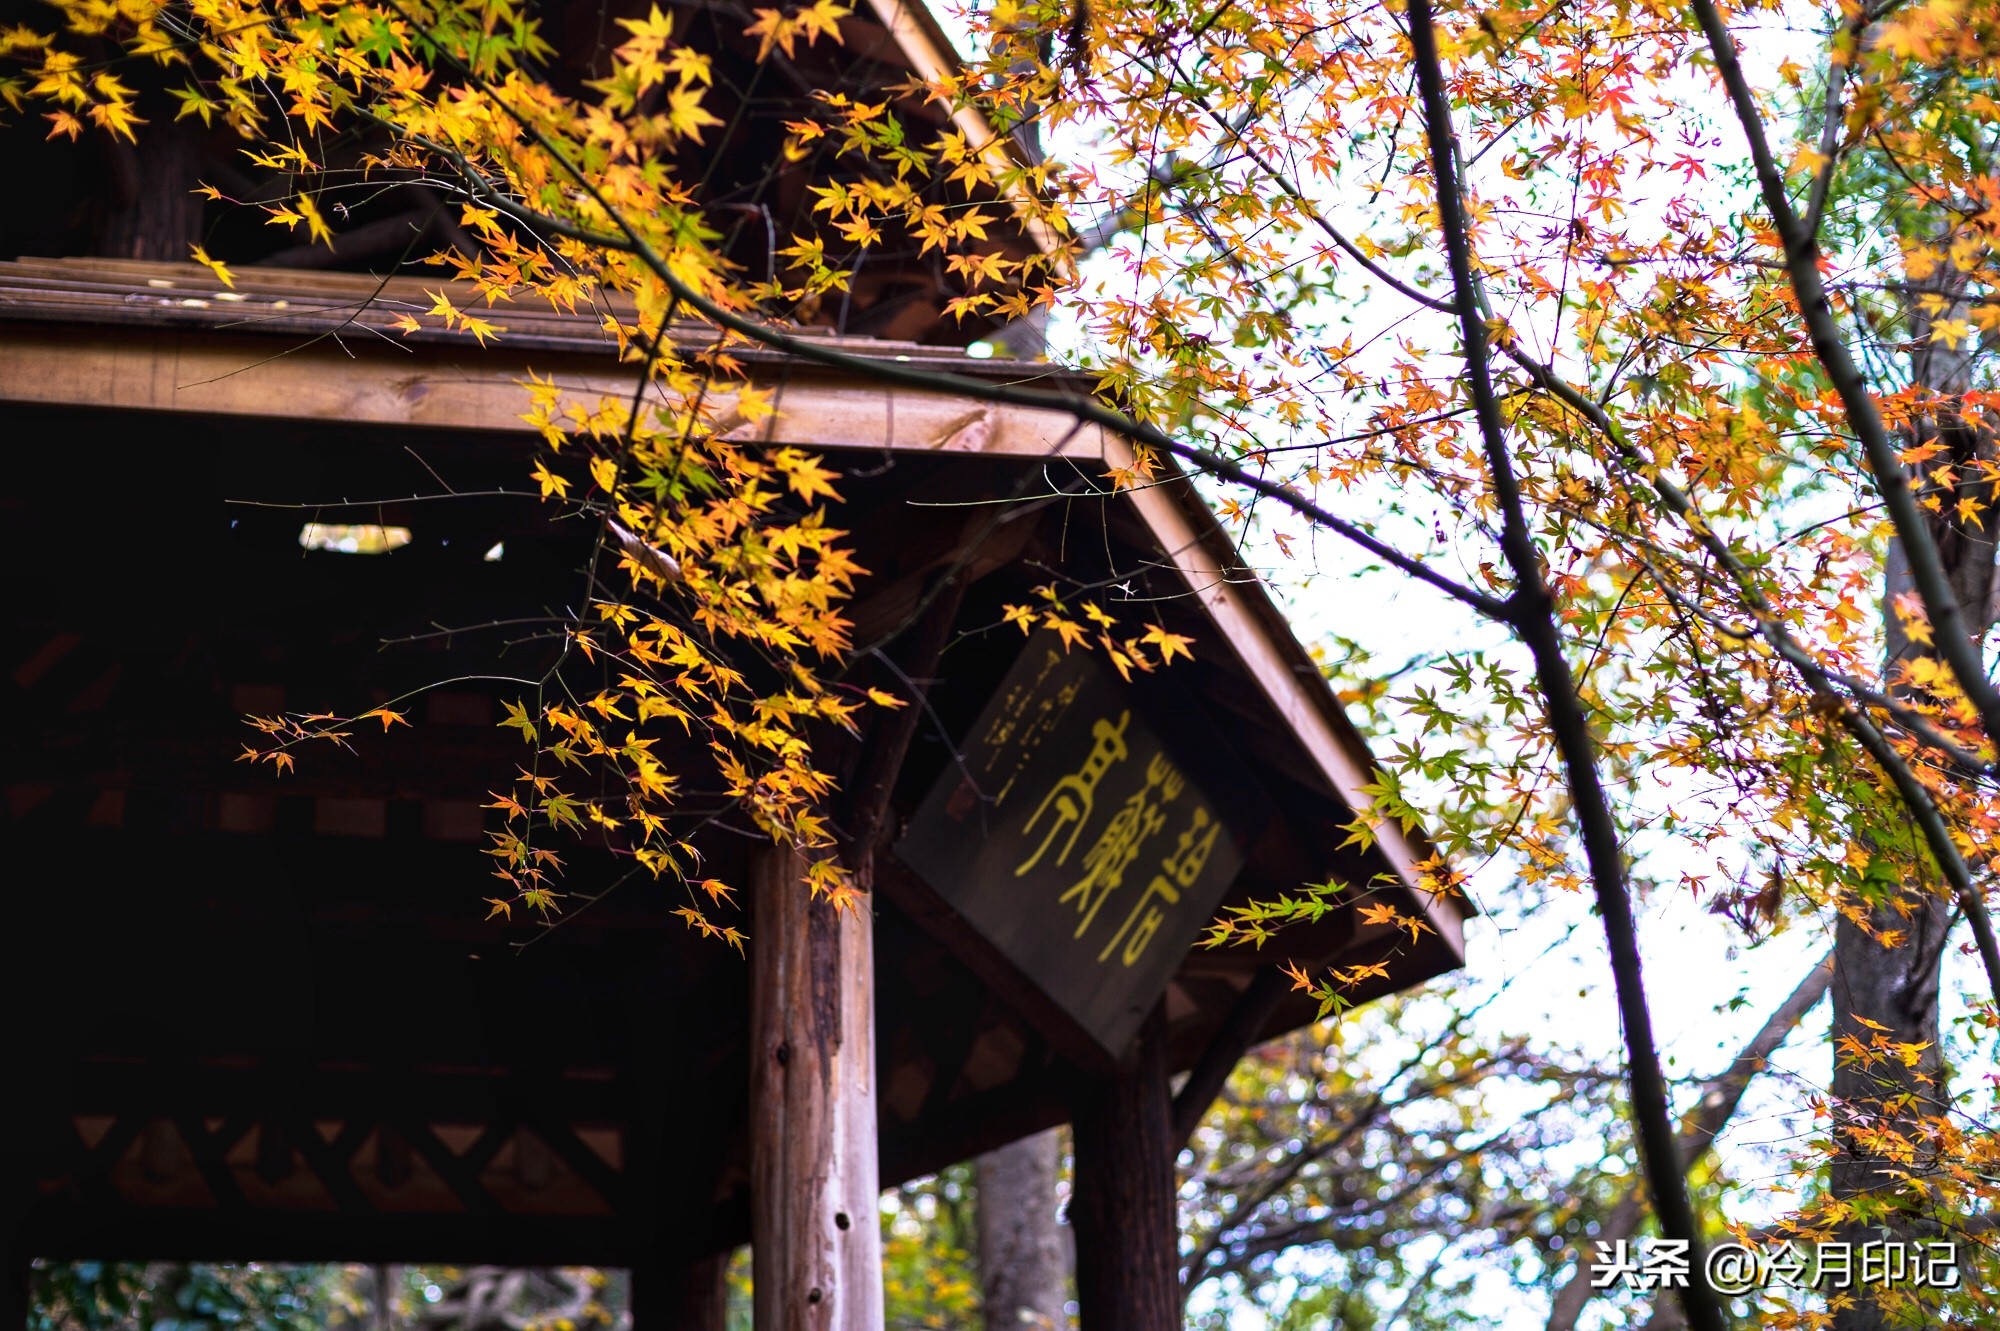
1168,643
479,328
685,114
222,274
774,29
551,483
1069,630
804,474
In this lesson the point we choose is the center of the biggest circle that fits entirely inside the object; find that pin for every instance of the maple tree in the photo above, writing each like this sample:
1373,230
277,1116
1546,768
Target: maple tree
1627,392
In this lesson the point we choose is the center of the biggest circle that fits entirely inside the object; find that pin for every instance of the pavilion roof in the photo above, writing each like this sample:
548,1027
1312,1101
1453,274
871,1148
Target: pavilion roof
294,385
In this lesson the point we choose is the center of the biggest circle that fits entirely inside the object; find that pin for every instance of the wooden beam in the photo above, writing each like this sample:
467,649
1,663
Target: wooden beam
1240,1028
1122,1208
303,377
458,1239
586,1164
814,1178
332,1163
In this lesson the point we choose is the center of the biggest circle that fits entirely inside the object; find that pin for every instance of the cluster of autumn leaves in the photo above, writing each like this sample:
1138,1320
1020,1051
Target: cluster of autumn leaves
716,562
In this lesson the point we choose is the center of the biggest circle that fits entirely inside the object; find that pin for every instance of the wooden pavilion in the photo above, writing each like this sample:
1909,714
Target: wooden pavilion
258,1019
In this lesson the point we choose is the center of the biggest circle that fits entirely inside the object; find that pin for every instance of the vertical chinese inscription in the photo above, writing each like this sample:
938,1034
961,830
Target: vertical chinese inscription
1070,832
1179,872
1073,795
1124,836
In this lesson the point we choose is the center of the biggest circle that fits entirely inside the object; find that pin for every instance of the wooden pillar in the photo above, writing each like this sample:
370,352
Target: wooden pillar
690,1294
814,1182
1122,1208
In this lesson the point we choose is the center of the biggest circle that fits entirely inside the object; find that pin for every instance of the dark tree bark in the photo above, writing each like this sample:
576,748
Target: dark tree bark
1531,610
1127,1263
1897,986
1720,1096
1023,1260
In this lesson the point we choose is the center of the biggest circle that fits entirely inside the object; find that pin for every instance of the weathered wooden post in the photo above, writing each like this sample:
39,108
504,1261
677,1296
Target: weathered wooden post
1127,1233
815,1185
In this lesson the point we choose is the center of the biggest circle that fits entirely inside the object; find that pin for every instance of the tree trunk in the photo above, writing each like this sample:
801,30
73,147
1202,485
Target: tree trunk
815,1185
1897,987
386,1279
1023,1262
1127,1258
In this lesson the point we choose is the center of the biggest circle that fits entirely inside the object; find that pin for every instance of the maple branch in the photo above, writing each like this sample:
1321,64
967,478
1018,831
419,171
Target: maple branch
1086,410
1968,763
1720,1096
1083,409
1953,639
1241,1026
1089,411
1335,1217
1829,130
1916,797
1770,624
1534,622
1317,218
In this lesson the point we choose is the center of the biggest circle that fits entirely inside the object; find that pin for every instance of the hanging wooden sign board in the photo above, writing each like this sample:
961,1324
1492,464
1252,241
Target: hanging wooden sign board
1087,832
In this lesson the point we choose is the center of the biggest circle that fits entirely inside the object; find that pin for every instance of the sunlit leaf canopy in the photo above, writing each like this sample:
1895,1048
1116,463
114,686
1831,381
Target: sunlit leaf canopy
1278,292
706,663
568,175
1265,169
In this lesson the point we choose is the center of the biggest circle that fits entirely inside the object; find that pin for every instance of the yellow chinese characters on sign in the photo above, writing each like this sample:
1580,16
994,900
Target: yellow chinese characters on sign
1073,796
1124,836
1069,830
1178,872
